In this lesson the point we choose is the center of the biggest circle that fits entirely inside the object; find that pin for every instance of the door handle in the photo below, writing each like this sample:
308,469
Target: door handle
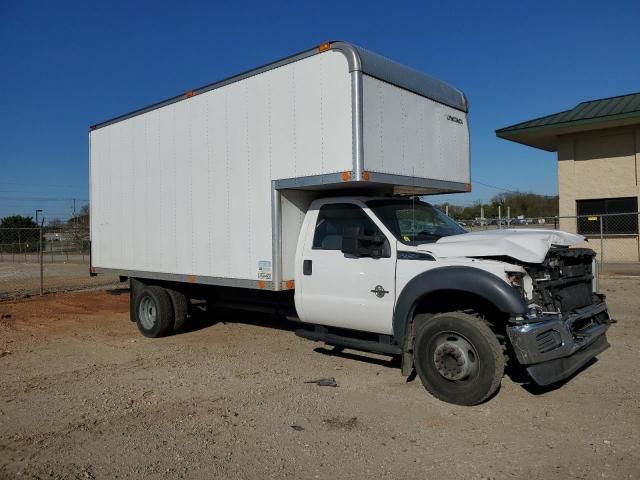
307,267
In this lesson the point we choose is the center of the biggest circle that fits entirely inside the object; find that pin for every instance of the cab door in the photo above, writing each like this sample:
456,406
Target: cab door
342,290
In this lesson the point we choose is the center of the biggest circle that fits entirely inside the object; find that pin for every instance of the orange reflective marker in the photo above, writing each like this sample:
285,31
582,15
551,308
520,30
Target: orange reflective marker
290,284
261,284
365,176
346,176
324,47
190,94
468,187
191,279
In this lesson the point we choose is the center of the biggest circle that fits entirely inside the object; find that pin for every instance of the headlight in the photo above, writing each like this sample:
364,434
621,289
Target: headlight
516,280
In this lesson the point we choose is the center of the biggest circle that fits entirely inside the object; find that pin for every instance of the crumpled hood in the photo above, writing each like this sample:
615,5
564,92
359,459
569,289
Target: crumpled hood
530,246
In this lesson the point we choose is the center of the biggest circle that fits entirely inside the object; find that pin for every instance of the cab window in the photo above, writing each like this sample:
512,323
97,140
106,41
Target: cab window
338,219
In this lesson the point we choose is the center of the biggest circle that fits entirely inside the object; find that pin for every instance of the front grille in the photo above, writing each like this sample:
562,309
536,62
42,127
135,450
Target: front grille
574,296
563,282
548,340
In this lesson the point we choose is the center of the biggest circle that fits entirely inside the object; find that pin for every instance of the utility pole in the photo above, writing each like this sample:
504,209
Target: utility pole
41,255
39,210
75,218
499,216
446,209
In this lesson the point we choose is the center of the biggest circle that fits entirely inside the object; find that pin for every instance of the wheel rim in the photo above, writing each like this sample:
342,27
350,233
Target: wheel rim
147,312
454,357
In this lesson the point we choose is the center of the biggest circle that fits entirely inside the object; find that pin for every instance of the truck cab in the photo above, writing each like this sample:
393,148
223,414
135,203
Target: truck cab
457,306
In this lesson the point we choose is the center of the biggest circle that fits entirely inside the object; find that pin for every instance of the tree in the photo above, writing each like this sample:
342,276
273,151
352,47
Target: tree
19,234
529,205
18,221
81,219
55,223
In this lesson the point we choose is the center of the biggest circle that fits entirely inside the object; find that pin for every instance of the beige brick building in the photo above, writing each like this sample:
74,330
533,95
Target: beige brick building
598,146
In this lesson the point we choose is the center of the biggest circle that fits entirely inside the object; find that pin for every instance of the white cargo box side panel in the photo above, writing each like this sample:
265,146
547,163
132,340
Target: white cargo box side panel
407,134
186,188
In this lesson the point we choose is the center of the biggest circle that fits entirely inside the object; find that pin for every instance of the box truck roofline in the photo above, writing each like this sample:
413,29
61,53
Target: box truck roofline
359,60
374,87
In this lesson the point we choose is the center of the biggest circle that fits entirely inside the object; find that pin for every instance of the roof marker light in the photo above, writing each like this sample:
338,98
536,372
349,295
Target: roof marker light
323,47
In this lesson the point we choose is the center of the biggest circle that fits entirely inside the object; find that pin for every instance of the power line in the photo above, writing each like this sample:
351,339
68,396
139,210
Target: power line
24,191
42,199
496,187
13,184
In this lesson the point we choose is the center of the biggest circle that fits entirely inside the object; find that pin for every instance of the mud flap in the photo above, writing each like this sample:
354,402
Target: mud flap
135,286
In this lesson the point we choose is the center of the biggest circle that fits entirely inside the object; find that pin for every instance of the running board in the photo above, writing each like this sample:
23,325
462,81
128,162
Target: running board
322,335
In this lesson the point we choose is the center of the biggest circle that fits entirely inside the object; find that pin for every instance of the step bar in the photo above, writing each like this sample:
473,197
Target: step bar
321,334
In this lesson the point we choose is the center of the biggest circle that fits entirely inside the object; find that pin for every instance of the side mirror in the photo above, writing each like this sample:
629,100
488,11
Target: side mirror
374,246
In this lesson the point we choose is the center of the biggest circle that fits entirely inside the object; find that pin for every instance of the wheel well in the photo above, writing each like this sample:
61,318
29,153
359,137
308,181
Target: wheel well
441,301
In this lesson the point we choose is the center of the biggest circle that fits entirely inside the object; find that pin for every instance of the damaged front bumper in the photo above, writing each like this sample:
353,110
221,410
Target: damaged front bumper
552,348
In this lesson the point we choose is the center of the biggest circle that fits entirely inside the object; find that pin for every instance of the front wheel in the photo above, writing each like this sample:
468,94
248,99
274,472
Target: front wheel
458,357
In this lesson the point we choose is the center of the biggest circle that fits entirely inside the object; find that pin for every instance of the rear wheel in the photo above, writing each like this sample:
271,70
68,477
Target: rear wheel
458,357
180,305
153,311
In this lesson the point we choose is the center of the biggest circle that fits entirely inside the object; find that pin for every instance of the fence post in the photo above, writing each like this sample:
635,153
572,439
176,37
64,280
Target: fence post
601,241
41,261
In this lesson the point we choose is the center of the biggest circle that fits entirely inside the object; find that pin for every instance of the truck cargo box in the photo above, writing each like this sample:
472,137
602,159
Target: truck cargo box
211,186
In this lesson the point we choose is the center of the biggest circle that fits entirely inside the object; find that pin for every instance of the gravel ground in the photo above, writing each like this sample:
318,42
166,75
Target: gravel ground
21,279
84,395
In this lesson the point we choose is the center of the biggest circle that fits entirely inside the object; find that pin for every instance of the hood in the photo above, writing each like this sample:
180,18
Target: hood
530,246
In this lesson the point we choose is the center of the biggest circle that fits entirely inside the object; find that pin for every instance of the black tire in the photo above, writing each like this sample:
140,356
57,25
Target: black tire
180,305
458,357
153,311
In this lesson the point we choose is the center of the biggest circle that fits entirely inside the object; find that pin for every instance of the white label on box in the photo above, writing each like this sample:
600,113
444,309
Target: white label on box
264,270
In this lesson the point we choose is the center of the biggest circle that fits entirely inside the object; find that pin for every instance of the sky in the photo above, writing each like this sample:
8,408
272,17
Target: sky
65,65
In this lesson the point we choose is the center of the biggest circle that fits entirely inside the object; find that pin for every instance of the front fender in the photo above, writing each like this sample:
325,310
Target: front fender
461,278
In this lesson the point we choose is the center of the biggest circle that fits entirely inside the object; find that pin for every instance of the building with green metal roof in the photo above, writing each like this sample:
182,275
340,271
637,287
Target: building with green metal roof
598,146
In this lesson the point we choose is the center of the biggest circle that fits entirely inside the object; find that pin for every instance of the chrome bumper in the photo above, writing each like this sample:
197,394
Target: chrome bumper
554,343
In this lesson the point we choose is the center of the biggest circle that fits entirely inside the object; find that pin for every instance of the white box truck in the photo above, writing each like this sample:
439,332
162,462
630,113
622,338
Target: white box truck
295,188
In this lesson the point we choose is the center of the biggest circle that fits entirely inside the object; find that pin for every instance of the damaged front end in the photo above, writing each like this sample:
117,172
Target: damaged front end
567,320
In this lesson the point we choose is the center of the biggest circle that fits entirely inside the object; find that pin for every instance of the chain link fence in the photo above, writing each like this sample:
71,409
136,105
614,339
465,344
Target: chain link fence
614,237
42,260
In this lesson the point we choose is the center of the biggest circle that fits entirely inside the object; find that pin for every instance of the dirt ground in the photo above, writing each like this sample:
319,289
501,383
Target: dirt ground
84,395
20,279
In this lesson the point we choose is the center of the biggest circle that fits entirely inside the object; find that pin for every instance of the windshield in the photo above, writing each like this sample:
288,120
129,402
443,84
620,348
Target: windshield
414,222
